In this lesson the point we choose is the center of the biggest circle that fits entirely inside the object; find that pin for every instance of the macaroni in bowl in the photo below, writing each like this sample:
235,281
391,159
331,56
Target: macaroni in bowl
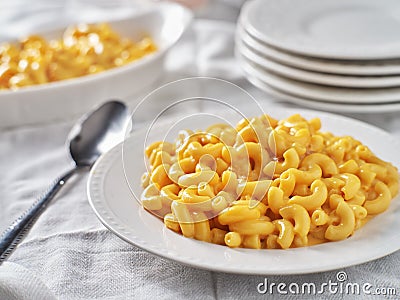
83,50
266,184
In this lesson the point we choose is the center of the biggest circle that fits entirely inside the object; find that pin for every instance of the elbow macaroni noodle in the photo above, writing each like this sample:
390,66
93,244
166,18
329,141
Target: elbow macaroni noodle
83,49
266,184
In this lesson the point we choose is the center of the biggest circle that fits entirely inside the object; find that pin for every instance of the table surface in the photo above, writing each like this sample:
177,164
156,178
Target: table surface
70,253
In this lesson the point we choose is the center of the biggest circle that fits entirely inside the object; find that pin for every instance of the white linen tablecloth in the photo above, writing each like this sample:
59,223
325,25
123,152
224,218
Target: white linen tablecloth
69,254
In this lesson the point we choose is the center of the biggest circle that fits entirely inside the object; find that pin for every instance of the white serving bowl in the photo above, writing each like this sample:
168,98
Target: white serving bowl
67,99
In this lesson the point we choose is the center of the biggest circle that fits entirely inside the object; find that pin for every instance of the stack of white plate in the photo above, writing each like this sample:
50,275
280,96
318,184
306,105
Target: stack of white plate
341,55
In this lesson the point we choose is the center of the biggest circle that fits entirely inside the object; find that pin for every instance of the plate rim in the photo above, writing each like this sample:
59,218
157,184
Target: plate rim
323,105
104,162
314,52
319,78
322,65
304,88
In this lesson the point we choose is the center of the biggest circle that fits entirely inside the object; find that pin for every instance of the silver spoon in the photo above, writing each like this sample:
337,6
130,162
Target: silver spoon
94,134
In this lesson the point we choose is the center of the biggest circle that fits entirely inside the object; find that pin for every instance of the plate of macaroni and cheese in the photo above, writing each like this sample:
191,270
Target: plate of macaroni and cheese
290,192
61,73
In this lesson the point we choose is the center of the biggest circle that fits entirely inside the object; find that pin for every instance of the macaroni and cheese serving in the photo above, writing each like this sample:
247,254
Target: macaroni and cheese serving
266,184
84,49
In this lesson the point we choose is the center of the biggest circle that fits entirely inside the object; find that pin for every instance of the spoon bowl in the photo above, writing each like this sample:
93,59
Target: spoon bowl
98,132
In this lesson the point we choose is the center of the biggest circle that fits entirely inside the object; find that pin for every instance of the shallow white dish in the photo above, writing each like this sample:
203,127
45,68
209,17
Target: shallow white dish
116,207
323,93
314,77
164,22
327,106
344,29
364,68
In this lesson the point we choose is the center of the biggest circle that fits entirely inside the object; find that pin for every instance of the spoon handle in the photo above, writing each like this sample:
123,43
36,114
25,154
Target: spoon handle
14,234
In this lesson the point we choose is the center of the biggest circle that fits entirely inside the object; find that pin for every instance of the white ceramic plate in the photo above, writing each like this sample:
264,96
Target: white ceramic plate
341,67
314,77
339,29
326,106
116,207
164,22
323,93
322,105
